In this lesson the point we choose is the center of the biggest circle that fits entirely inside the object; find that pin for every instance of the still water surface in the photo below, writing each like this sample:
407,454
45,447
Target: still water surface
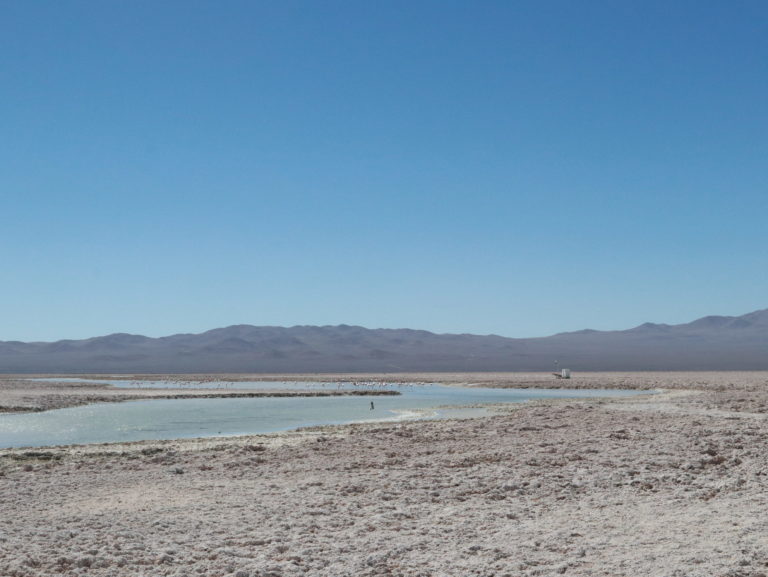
188,418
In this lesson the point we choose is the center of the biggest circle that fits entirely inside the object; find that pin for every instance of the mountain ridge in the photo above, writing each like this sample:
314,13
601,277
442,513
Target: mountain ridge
709,343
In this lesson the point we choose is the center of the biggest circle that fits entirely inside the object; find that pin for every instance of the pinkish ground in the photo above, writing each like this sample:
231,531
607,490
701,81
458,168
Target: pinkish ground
668,485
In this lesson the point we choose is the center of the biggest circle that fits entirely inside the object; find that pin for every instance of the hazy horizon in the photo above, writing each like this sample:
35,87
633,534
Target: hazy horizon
661,322
336,325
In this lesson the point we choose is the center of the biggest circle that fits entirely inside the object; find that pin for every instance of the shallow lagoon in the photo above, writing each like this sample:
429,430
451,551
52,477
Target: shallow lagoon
210,417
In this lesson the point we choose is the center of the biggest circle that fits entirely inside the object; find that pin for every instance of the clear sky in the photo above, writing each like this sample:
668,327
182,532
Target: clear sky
512,167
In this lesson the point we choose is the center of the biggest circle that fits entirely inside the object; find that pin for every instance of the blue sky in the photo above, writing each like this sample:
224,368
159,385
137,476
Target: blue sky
518,167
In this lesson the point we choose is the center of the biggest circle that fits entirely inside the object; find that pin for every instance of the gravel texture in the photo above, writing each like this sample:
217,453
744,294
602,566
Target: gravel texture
674,484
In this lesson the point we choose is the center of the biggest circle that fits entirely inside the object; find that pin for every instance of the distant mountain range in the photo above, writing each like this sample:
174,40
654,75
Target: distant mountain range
709,343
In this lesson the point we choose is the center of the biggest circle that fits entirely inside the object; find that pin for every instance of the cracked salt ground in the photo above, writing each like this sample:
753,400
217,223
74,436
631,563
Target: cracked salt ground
665,486
568,487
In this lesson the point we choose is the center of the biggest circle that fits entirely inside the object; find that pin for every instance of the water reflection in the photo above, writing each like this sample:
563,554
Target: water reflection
186,418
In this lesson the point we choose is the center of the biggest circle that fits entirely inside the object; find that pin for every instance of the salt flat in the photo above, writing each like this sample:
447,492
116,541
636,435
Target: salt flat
20,394
670,484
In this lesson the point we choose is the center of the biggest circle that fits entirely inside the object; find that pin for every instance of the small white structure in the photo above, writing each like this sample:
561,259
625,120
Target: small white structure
565,374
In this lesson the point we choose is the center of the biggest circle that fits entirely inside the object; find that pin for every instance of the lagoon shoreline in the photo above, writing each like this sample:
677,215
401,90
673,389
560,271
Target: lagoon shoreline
23,393
667,484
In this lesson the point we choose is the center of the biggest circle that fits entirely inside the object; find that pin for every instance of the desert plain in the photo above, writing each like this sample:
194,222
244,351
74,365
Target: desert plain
673,483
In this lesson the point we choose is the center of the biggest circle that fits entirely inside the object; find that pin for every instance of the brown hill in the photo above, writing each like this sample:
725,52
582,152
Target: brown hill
709,343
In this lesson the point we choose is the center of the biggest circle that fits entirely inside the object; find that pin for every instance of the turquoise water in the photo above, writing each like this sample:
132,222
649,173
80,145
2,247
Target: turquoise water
189,418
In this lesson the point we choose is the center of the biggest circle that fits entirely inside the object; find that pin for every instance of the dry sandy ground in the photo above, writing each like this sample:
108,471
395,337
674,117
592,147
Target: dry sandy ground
670,485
